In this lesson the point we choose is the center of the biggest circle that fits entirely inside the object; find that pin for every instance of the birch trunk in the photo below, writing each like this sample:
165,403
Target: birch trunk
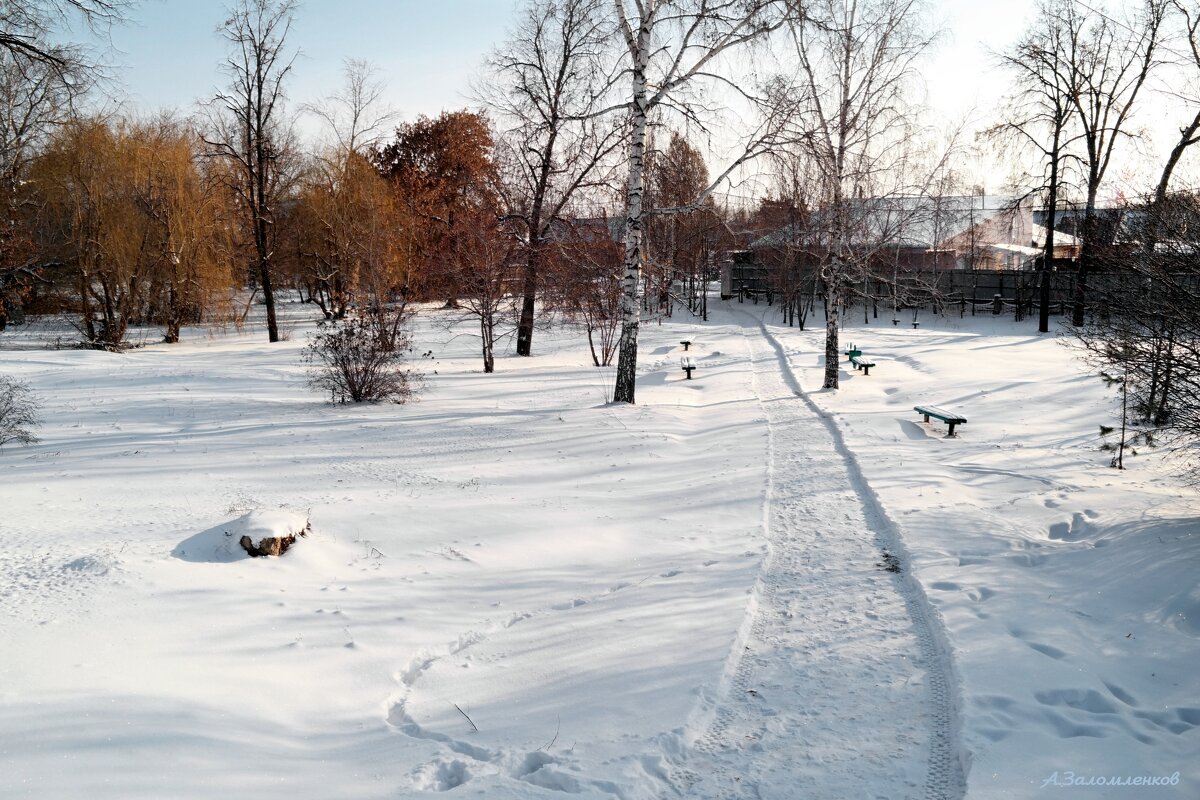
833,319
626,379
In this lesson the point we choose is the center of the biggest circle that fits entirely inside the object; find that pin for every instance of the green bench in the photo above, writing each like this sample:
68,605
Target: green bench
859,360
948,417
687,365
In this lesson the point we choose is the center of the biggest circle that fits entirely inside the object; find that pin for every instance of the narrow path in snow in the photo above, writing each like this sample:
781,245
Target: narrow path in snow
837,685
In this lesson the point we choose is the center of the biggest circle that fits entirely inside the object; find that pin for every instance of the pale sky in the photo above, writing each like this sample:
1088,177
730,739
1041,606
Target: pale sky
428,50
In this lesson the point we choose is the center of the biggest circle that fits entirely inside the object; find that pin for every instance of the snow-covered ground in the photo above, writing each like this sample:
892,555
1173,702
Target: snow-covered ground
514,590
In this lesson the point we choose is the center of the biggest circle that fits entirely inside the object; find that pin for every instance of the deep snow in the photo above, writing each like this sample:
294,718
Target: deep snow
603,591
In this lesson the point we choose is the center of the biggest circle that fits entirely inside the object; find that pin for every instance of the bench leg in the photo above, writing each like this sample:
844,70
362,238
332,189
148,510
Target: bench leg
926,418
951,433
688,370
866,370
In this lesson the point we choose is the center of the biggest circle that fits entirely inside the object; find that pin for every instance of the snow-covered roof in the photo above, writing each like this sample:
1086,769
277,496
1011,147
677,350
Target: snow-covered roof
1061,238
908,221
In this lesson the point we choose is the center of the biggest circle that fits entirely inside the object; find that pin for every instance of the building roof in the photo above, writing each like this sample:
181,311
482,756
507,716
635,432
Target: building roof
904,221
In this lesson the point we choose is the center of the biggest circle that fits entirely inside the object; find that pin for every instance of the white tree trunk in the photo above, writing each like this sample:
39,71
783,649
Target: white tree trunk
833,320
626,379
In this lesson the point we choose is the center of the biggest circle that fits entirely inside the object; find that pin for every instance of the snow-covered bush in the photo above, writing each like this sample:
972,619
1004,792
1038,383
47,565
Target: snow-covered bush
18,412
354,363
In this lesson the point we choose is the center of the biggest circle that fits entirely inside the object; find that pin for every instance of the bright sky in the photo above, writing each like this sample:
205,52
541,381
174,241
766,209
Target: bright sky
428,51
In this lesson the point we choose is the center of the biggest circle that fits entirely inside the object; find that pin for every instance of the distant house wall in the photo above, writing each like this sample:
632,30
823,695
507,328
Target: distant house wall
742,271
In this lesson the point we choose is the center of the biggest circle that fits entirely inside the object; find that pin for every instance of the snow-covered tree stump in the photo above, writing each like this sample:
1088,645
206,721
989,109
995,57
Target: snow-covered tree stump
271,533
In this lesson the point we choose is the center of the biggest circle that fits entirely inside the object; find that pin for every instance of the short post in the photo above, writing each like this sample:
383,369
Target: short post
997,304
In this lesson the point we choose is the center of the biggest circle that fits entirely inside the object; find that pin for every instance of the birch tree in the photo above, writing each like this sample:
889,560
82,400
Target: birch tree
671,46
854,120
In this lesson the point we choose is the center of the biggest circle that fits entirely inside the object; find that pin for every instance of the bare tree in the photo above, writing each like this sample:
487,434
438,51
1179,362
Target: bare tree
1189,132
1145,335
355,116
33,101
250,130
587,285
671,46
677,244
857,63
347,221
483,266
29,28
18,412
549,79
782,218
1040,114
1109,62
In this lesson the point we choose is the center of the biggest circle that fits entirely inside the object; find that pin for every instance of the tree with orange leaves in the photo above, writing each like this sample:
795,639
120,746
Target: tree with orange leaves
442,172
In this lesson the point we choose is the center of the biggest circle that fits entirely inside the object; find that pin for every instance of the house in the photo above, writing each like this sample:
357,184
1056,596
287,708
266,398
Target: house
894,234
1009,235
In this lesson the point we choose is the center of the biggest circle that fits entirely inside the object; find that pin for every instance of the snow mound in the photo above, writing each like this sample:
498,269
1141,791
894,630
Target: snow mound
89,565
219,544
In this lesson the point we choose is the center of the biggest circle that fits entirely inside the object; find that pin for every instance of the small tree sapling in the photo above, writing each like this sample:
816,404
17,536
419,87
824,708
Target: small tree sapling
18,412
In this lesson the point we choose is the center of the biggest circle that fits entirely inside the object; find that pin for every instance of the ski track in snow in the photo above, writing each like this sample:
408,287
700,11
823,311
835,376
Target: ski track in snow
839,683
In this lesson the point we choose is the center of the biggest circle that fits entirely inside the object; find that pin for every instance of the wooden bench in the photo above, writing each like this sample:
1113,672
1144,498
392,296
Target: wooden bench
863,363
859,360
687,365
948,417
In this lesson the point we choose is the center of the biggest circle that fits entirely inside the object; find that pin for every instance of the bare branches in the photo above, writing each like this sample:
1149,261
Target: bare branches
1189,132
549,79
850,118
671,45
251,135
28,29
467,718
354,115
